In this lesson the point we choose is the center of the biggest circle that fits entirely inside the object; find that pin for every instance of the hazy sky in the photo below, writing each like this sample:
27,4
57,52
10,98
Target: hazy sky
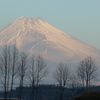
79,18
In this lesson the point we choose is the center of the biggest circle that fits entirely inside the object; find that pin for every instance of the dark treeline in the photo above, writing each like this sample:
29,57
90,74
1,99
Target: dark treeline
17,67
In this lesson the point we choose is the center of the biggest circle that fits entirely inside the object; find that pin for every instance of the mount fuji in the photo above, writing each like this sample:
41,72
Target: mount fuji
35,36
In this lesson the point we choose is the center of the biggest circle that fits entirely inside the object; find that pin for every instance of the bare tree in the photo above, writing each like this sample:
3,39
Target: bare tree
5,69
81,75
22,68
8,67
32,74
62,76
73,84
38,70
87,71
14,67
41,71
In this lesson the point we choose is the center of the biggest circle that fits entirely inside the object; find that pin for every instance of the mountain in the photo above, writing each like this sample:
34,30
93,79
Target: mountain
36,36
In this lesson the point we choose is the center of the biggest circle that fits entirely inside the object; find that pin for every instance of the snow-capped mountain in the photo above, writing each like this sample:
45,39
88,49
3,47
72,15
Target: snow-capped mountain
38,37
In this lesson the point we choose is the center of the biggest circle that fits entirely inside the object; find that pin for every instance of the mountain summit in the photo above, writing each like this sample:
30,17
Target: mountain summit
36,36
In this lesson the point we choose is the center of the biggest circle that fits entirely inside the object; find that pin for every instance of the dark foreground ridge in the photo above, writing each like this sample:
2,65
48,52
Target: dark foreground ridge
90,95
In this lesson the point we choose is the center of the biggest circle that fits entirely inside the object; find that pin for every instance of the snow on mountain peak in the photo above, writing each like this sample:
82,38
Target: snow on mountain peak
29,19
39,37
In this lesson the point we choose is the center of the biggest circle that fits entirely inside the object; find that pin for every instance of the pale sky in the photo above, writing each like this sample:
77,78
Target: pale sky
79,18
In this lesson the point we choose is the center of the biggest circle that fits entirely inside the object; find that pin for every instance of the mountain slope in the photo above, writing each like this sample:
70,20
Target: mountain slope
38,37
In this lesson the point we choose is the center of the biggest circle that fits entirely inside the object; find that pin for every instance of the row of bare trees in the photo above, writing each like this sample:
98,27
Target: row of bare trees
8,69
62,76
15,65
85,74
